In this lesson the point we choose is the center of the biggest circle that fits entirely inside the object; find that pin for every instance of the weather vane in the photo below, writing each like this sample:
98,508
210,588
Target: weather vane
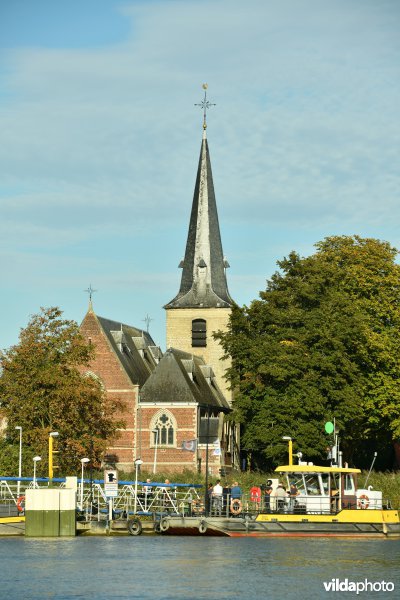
205,104
90,291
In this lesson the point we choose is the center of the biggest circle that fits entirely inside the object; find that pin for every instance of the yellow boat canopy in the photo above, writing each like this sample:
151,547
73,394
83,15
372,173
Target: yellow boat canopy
314,469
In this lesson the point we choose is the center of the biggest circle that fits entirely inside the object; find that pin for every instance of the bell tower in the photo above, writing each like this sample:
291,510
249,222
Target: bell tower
203,303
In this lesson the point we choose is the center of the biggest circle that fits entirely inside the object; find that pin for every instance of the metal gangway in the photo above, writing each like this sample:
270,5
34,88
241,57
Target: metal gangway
141,498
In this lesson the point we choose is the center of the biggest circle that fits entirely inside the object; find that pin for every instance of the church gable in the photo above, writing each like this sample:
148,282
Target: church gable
106,364
130,349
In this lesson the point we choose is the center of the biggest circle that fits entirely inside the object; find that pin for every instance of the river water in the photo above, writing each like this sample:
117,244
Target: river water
180,568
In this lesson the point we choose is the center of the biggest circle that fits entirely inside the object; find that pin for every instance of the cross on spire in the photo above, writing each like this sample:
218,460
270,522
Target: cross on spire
147,320
90,291
205,104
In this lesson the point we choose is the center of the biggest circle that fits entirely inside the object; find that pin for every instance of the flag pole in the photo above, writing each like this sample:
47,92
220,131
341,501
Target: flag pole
206,498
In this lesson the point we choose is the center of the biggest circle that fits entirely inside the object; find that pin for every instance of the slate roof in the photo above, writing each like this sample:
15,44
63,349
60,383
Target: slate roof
203,280
183,377
134,347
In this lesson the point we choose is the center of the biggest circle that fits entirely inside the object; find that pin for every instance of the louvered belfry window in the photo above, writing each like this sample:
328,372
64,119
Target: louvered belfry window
199,333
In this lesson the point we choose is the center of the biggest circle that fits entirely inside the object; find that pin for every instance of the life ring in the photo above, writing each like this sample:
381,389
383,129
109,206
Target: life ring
363,501
236,506
164,524
135,527
202,527
21,504
255,495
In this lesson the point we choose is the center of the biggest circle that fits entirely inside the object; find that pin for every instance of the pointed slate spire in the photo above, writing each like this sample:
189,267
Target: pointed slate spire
203,280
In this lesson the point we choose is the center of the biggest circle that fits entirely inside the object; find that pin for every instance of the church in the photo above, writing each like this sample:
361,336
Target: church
175,402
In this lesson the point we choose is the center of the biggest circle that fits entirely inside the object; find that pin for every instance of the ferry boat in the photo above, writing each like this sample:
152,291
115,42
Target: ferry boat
324,501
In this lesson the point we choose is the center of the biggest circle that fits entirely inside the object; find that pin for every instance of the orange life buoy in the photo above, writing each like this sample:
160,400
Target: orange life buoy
236,506
255,495
21,504
363,501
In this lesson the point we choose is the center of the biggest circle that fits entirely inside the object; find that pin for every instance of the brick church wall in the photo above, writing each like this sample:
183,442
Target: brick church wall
118,386
173,458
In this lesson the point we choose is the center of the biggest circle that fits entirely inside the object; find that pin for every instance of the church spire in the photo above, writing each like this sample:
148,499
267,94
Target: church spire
203,280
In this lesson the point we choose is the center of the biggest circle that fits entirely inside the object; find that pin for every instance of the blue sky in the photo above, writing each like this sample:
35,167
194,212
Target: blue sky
100,141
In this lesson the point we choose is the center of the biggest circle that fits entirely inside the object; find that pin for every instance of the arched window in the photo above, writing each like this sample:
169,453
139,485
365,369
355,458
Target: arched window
96,378
163,430
199,333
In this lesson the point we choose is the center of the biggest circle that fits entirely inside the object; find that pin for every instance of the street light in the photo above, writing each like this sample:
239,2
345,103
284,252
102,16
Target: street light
138,462
289,440
156,431
35,460
84,461
20,460
52,435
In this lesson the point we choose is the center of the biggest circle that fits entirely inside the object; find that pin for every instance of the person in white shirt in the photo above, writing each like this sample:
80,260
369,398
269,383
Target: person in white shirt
217,498
281,497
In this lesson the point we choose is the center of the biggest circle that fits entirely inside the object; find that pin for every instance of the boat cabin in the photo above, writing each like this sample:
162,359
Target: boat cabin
325,489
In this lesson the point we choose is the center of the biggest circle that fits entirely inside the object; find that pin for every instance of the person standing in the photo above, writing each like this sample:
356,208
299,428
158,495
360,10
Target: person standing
236,499
147,488
293,492
217,498
167,495
148,493
281,498
267,496
236,491
208,506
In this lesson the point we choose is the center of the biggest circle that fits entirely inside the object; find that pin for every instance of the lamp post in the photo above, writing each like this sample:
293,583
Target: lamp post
19,460
84,461
156,431
52,435
290,442
138,462
35,460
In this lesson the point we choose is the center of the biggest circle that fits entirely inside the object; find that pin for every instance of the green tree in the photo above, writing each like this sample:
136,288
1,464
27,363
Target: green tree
43,388
322,341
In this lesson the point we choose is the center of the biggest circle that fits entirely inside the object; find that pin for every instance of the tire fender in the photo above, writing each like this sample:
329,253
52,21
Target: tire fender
164,524
135,527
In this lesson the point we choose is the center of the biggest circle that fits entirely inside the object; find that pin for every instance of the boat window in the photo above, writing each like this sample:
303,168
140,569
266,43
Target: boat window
335,480
298,481
348,482
312,484
325,483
